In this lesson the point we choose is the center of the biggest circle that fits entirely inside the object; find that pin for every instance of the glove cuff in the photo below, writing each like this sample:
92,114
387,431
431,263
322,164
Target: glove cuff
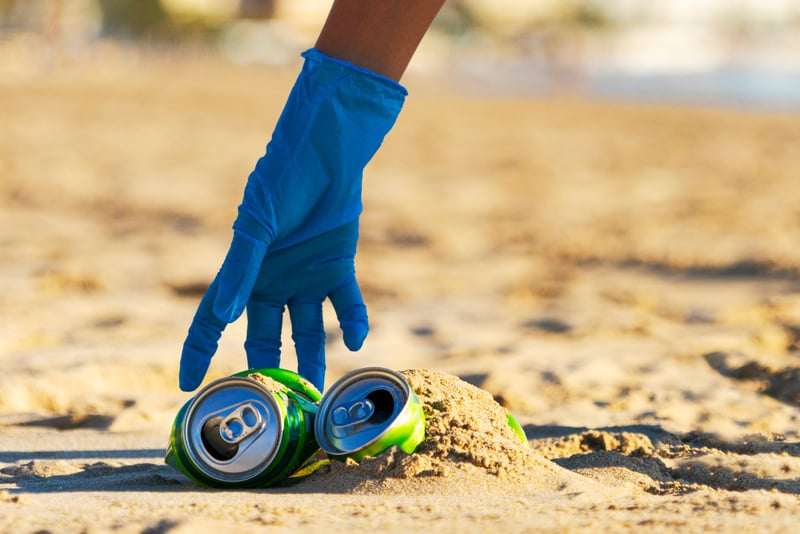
313,54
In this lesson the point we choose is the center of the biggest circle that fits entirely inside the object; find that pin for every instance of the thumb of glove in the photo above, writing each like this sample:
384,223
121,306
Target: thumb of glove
237,276
223,303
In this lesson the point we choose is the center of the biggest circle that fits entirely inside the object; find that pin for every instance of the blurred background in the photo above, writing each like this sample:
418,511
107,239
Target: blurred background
699,51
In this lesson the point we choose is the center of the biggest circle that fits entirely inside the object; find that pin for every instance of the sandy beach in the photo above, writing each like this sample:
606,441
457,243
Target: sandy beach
622,277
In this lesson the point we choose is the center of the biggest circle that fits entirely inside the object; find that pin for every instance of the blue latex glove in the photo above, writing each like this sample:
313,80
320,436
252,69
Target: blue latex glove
294,239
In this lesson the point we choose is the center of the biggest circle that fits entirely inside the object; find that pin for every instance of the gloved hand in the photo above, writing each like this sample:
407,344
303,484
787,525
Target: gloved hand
294,239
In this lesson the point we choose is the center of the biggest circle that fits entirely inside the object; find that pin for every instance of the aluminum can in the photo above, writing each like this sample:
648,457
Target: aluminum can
367,411
245,432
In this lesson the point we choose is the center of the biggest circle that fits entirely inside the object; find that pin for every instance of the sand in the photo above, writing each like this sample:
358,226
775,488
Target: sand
622,277
469,449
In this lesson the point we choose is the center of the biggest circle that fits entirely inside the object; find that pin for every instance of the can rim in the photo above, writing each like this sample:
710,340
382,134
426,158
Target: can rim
341,384
200,462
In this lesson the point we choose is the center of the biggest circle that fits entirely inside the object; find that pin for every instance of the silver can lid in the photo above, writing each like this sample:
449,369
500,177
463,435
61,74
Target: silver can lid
233,429
359,409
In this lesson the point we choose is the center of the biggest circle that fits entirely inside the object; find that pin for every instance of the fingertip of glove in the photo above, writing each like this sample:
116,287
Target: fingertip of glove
193,367
187,388
354,334
187,383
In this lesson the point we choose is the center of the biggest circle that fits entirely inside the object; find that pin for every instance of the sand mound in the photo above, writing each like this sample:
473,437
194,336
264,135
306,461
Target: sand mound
469,448
465,424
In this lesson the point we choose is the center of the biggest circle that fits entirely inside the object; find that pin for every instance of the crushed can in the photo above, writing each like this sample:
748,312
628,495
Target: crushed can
367,411
251,429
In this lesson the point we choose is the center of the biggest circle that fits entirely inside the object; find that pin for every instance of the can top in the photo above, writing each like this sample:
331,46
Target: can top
233,429
359,409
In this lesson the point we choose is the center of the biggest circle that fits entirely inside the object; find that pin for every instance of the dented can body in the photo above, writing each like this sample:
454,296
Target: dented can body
252,429
367,411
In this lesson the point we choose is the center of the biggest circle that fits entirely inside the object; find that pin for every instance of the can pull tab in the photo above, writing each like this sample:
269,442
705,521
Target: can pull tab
357,413
239,424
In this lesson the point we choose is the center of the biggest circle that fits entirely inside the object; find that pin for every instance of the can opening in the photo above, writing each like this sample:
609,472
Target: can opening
383,400
217,447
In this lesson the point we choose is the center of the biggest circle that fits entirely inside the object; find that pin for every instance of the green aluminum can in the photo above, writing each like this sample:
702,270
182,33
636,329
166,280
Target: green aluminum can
251,429
367,411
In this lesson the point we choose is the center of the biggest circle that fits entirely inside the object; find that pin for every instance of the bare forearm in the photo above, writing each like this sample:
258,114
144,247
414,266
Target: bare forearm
379,35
